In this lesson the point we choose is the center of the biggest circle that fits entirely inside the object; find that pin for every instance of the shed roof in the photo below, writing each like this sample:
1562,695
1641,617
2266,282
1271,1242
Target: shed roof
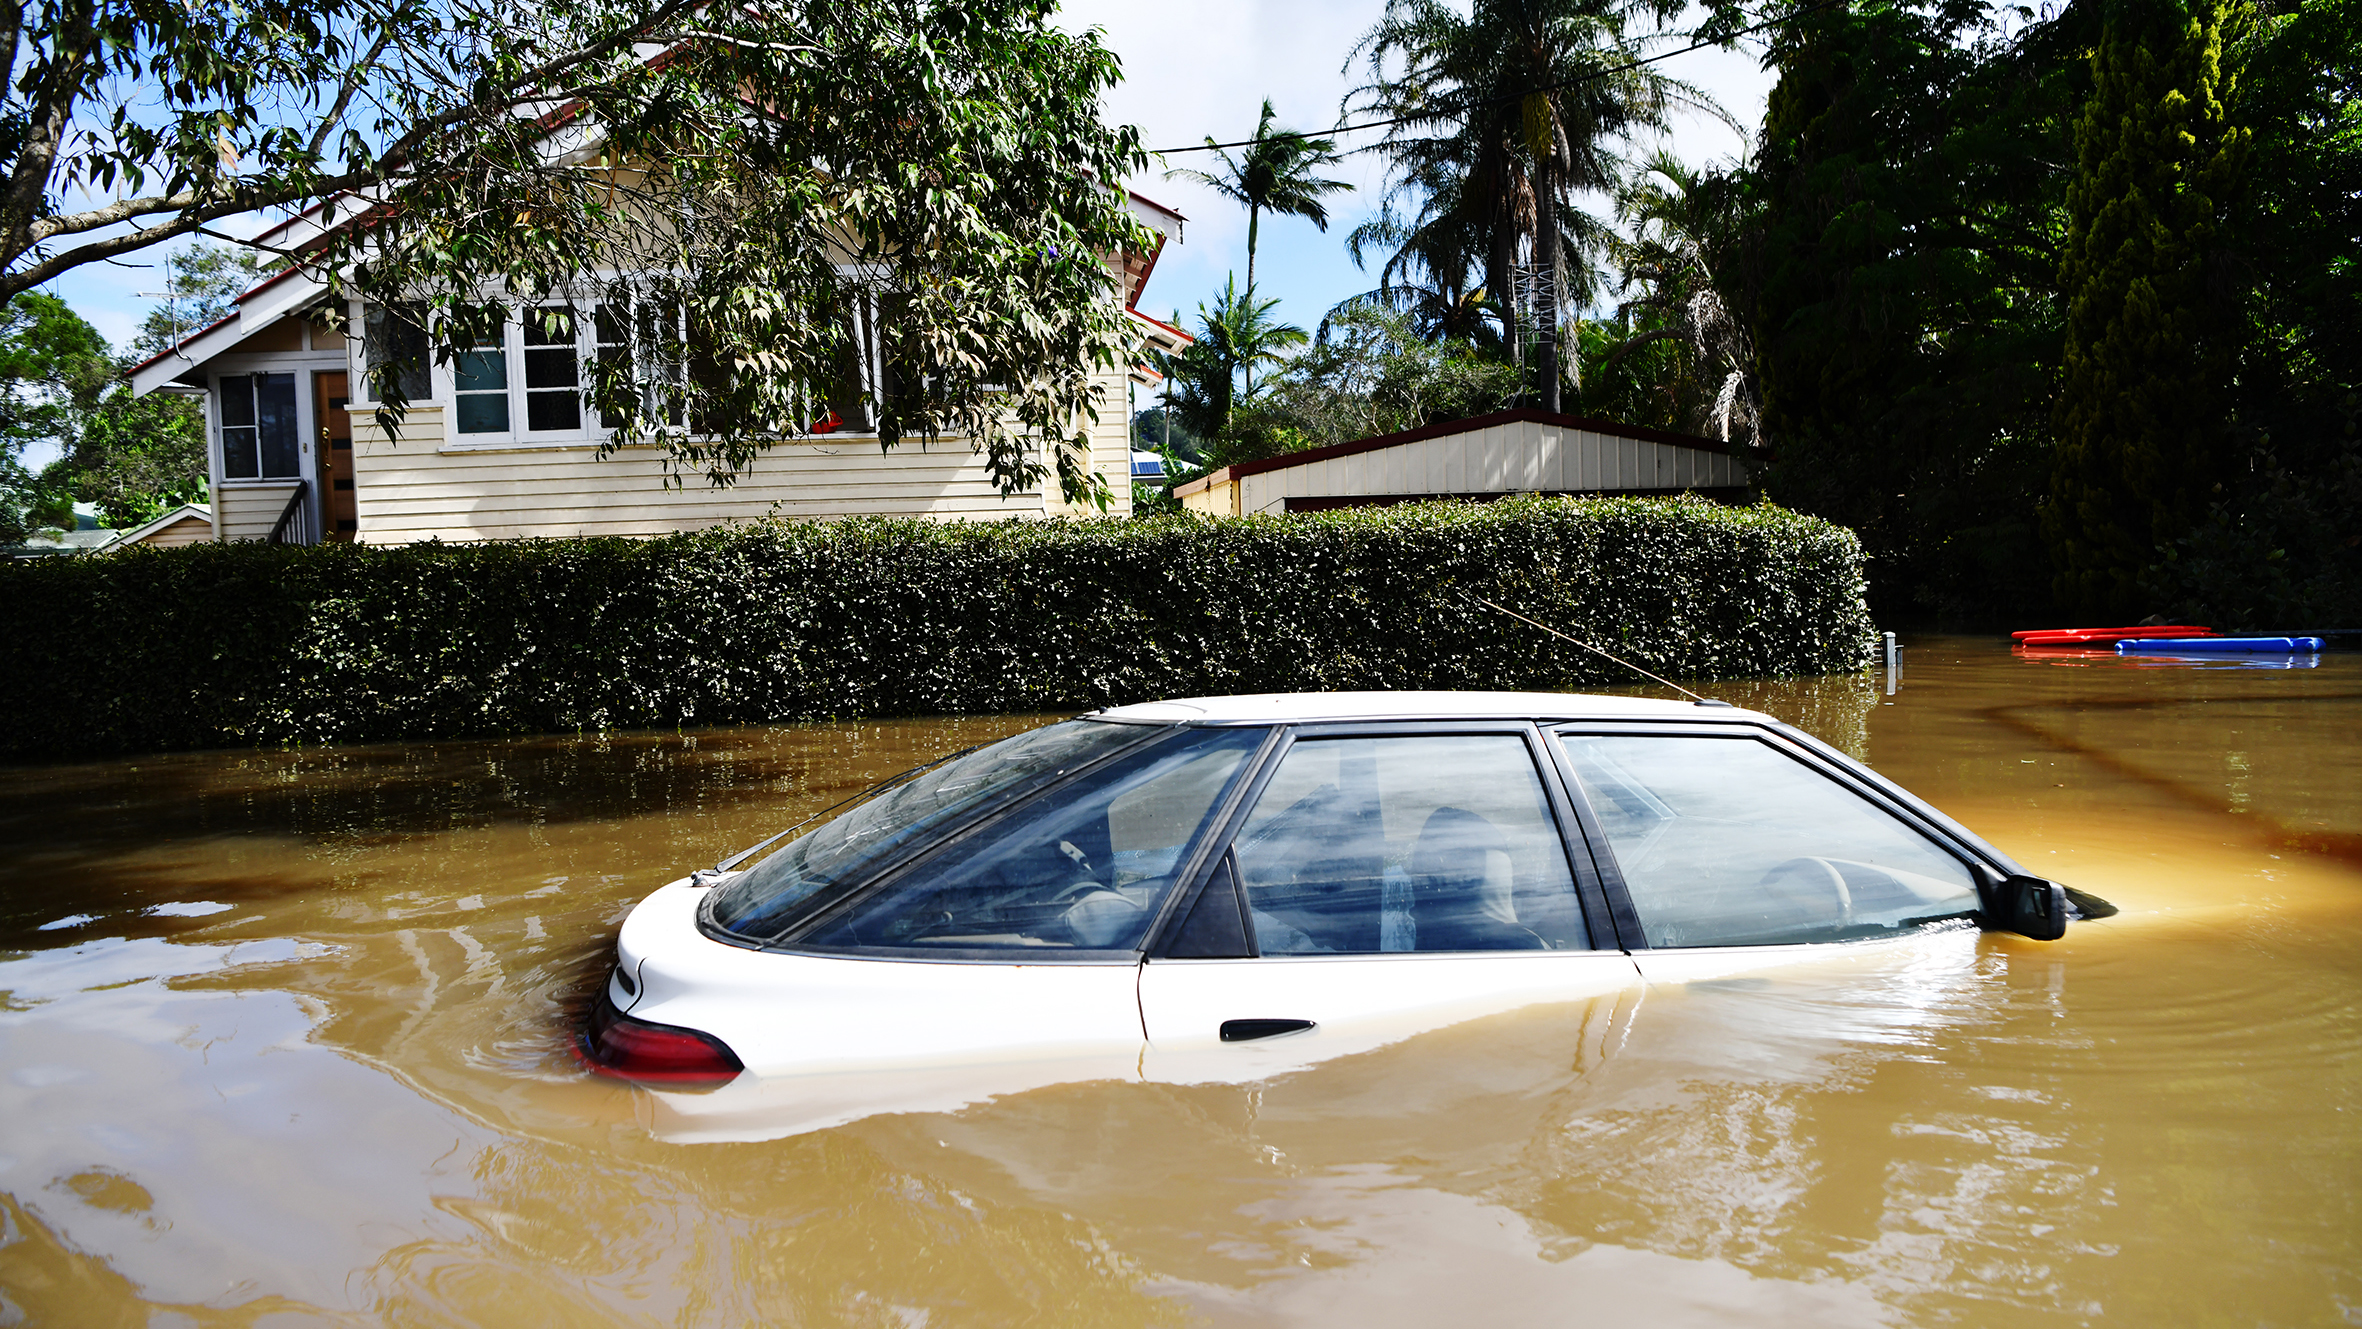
1447,428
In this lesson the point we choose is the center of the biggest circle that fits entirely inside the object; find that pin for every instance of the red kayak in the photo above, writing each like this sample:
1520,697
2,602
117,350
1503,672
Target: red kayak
2102,636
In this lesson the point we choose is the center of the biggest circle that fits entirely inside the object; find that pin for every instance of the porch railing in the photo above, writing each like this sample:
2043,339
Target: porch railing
295,525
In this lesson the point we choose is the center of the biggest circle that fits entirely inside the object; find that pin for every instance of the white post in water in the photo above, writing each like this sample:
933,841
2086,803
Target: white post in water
1890,664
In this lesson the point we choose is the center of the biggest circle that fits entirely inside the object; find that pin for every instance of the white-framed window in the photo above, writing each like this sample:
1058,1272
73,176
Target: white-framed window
529,382
255,421
482,388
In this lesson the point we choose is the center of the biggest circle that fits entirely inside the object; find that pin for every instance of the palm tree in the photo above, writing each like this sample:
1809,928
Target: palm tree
1236,336
1678,268
1503,115
1425,278
1274,175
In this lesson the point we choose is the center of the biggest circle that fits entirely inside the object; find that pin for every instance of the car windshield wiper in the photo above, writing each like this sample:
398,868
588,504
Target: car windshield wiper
706,876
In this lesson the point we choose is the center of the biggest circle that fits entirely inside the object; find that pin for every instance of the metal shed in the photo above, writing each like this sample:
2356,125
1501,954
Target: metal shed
1490,456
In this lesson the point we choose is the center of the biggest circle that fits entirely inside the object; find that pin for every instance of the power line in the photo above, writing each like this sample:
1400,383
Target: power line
1764,26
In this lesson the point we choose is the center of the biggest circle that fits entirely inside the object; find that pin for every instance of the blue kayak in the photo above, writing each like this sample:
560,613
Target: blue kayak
2233,645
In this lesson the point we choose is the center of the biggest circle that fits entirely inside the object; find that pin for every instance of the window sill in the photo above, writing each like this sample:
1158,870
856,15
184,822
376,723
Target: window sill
451,444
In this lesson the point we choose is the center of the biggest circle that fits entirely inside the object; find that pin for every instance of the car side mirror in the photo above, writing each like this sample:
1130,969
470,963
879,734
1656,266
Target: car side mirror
2029,906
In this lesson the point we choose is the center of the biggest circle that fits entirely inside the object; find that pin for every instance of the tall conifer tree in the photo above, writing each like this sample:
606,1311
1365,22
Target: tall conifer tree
2149,346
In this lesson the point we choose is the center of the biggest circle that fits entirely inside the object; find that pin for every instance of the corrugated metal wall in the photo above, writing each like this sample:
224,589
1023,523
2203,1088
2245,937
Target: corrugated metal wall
1521,456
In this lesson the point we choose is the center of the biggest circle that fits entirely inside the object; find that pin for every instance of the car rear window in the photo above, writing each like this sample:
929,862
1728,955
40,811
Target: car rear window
1084,865
759,903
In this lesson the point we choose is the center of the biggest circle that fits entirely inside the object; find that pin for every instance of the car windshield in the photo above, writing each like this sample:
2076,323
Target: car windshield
760,902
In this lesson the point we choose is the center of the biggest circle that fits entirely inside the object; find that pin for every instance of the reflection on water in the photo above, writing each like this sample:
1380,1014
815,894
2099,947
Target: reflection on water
283,1039
2079,658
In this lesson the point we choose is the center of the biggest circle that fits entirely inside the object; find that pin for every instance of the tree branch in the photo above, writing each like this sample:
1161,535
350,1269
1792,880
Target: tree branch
1632,344
53,105
200,205
345,93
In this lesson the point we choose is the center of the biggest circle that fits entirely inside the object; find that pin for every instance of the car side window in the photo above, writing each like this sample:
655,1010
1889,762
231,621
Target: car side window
1419,843
1081,866
1729,842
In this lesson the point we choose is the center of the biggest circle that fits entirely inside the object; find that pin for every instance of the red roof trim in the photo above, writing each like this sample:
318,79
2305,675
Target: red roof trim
1147,270
1469,426
174,349
1147,318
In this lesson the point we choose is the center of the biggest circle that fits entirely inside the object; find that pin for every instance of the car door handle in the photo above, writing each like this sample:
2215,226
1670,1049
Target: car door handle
1241,1031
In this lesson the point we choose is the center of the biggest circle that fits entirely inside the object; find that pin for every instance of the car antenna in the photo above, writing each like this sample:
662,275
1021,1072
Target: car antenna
1702,701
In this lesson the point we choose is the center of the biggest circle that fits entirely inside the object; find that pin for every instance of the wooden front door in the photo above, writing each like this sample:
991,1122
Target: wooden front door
339,517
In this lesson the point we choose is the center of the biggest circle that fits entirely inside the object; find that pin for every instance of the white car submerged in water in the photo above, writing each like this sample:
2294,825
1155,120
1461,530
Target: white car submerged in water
1218,888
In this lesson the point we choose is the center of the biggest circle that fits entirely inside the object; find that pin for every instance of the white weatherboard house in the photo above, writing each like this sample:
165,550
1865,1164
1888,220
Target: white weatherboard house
1490,456
505,446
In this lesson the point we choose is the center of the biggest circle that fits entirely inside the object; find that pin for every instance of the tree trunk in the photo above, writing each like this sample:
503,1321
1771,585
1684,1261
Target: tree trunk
1501,277
1254,218
1546,291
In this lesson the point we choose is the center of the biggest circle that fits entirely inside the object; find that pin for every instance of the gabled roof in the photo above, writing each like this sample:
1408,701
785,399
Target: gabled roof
184,512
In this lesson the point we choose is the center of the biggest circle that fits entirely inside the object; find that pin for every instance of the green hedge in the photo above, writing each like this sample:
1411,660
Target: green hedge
215,645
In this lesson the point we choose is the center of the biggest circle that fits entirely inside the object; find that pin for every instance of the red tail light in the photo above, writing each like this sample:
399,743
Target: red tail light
618,1045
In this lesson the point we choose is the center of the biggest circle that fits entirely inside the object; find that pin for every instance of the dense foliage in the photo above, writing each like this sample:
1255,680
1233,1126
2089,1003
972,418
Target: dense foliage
1898,247
51,364
60,385
1369,372
769,194
2060,311
215,645
2151,335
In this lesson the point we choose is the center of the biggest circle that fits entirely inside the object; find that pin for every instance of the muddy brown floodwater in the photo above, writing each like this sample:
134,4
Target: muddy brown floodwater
283,1040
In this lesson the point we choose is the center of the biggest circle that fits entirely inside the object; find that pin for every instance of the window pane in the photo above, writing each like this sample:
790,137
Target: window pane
234,406
483,413
546,411
1084,865
274,418
550,325
396,334
238,459
763,900
1442,843
547,368
237,399
1727,842
480,371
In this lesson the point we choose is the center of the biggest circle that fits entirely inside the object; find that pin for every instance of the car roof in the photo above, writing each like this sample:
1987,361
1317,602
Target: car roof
1282,707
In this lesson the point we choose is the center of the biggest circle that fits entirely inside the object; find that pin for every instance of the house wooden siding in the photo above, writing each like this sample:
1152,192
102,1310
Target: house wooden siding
1518,452
247,509
189,529
528,479
420,486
